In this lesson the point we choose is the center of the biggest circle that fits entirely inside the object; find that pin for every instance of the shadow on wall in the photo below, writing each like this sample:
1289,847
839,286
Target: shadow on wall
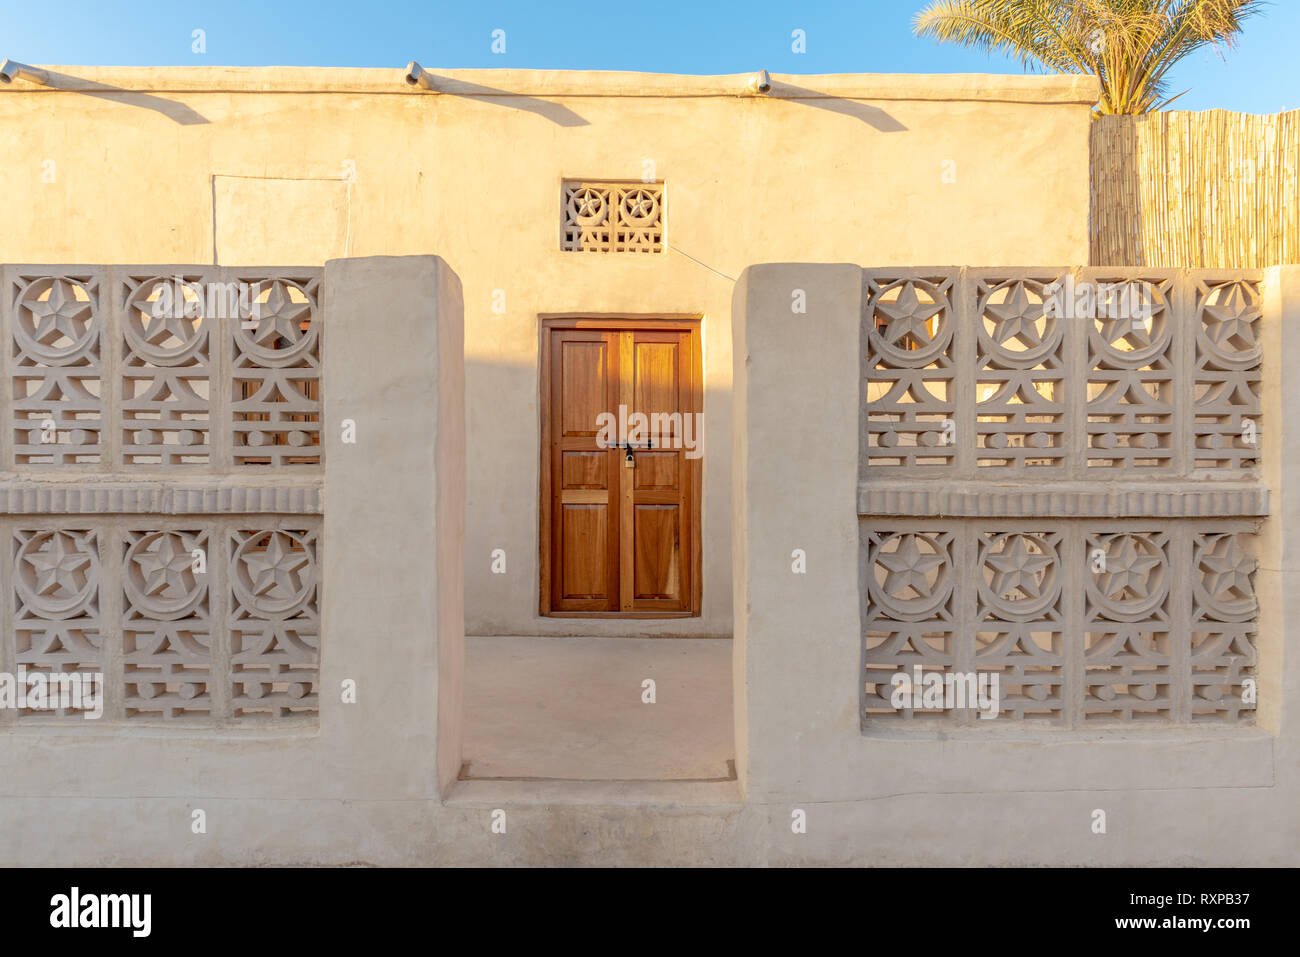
555,112
179,112
558,114
563,116
871,115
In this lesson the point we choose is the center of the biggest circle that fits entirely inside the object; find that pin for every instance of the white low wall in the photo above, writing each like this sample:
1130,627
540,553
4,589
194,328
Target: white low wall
374,783
75,791
1008,794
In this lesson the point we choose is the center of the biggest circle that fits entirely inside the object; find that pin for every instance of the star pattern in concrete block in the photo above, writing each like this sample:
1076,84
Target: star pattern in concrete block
59,566
1016,567
590,203
274,572
167,567
907,318
159,329
1231,319
60,315
638,204
1016,319
908,566
1128,569
1225,569
279,317
1135,331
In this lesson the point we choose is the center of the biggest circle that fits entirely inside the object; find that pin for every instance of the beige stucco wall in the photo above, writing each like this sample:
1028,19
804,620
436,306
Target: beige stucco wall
292,167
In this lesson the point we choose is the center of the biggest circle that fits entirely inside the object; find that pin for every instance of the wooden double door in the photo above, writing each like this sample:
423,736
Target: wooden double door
622,448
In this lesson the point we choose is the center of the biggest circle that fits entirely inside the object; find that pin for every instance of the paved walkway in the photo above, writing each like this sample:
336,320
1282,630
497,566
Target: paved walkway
570,708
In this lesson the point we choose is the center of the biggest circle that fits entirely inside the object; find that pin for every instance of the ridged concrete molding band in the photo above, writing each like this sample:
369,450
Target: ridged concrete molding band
97,497
978,500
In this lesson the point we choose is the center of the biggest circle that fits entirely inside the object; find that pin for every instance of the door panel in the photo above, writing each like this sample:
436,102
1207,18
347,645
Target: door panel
658,552
584,535
620,537
659,499
655,471
583,386
582,563
656,392
585,469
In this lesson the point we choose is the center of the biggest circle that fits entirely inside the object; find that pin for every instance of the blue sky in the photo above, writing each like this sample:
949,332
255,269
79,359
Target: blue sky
669,36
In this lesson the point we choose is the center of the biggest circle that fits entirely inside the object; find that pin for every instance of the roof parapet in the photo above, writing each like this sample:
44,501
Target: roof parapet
1049,88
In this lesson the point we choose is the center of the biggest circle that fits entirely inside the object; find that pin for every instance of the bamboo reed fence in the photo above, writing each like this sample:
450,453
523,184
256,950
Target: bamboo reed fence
1212,189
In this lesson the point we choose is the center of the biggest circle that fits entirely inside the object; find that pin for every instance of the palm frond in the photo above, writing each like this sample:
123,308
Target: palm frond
1129,45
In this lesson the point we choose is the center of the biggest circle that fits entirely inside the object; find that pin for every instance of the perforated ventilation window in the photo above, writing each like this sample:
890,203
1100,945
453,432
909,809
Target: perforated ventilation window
612,217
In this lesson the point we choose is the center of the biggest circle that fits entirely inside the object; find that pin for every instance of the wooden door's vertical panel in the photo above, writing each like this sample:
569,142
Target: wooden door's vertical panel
627,500
546,496
689,373
584,537
695,472
659,533
658,571
688,505
583,376
585,524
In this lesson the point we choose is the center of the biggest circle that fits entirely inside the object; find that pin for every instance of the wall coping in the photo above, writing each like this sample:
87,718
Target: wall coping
1014,88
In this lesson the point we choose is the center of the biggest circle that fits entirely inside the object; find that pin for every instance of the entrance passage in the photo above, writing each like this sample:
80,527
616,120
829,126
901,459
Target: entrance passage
621,453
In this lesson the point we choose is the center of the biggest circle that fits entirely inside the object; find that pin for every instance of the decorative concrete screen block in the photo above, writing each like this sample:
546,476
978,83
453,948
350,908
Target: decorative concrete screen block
1020,375
1117,584
57,623
1063,373
1227,374
181,561
910,585
1223,625
1131,383
277,374
612,217
164,589
912,357
274,621
167,624
119,367
56,342
166,370
1082,623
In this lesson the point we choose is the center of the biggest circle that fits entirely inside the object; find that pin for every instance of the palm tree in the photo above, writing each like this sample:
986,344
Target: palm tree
1130,45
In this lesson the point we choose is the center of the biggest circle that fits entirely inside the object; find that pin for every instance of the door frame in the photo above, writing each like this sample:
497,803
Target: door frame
614,322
